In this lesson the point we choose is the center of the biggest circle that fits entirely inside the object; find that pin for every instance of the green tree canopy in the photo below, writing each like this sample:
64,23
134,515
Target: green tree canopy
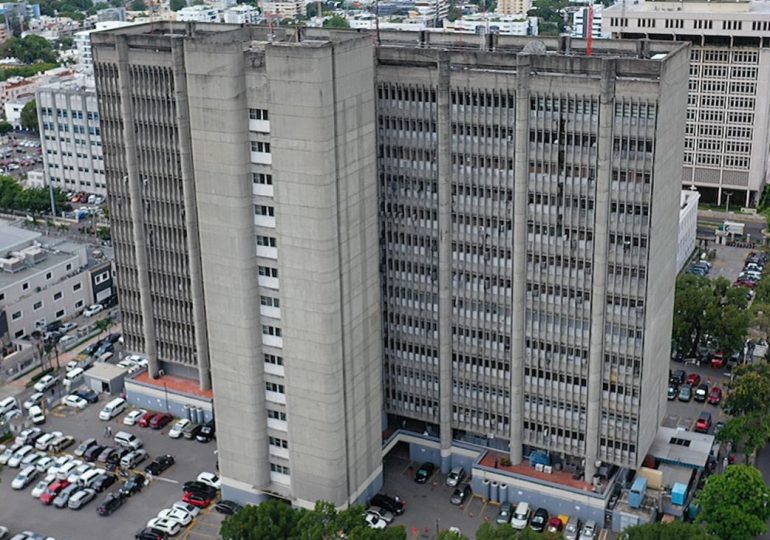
336,22
506,532
271,519
676,530
176,5
549,14
29,49
734,504
29,116
5,127
750,389
34,200
138,5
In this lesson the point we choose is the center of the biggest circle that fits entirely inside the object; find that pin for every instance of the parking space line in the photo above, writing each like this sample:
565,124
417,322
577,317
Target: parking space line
407,468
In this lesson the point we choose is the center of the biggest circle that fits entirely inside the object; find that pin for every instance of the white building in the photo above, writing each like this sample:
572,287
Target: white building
70,136
198,13
14,107
688,226
493,23
241,14
82,42
431,11
580,23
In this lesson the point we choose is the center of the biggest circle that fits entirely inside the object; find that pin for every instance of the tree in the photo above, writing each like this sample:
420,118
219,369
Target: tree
102,325
138,5
506,532
734,504
29,49
5,127
336,22
749,389
446,534
29,116
176,5
271,519
676,530
550,15
397,532
749,432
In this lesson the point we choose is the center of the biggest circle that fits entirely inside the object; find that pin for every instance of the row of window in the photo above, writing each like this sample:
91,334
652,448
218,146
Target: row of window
260,146
262,178
273,359
67,140
258,114
63,113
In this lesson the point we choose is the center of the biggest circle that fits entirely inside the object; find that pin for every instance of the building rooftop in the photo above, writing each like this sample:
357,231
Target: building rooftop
692,6
12,237
681,447
173,383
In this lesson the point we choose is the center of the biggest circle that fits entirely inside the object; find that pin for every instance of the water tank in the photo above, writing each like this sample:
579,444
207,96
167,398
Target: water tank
679,493
494,491
187,412
503,493
201,415
485,488
195,417
638,490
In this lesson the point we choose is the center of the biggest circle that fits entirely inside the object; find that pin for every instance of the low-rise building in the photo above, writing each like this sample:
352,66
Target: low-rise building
13,108
241,14
285,9
43,279
513,7
493,23
198,13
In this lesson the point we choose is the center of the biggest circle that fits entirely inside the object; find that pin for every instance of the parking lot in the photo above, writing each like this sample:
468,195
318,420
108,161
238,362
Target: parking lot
20,511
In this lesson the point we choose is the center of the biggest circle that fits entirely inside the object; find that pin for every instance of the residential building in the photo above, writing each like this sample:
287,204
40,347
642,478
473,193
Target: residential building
198,13
82,40
217,263
241,14
111,14
13,108
580,22
688,226
512,245
15,87
284,9
433,12
493,23
513,7
70,136
20,9
726,139
43,279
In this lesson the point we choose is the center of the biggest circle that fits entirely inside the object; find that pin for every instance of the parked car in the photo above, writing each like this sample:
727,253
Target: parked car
64,495
40,488
424,473
43,442
460,494
93,453
133,485
693,379
520,517
36,415
112,502
197,499
146,418
150,534
588,532
63,442
176,514
46,383
677,377
718,360
132,459
685,393
103,481
383,514
228,508
673,391
206,433
25,477
168,526
702,392
715,396
159,464
210,479
455,476
159,421
192,431
555,525
178,428
539,520
88,394
85,445
392,504
53,490
133,417
92,310
35,399
504,513
703,424
195,486
81,498
374,521
74,401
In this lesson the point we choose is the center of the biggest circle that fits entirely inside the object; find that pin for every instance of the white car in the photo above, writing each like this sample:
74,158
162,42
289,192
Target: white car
25,478
32,459
40,488
45,383
36,415
10,415
381,513
43,442
76,402
44,464
68,327
81,498
176,514
65,470
34,399
375,521
79,471
8,454
92,310
20,454
176,431
133,417
191,509
168,526
210,479
27,435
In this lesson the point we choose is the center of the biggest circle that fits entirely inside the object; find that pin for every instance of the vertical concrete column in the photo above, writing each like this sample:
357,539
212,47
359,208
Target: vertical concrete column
444,170
599,285
191,212
518,320
137,206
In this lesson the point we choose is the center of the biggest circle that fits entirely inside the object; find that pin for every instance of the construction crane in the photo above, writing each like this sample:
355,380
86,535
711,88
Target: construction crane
590,30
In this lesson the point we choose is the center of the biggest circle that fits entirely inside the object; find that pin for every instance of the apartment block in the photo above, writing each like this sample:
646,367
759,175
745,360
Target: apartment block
487,256
244,207
513,7
726,139
70,136
284,9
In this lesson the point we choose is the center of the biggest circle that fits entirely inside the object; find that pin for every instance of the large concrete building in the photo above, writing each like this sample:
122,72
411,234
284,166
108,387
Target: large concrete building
728,108
524,197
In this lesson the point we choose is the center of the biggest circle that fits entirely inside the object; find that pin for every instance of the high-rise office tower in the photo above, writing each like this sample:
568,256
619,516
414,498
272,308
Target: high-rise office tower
249,186
497,237
728,107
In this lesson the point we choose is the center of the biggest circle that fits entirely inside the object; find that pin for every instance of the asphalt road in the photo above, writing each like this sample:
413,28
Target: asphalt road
19,511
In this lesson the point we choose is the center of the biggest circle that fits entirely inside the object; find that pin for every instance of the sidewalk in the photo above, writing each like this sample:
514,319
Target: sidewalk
732,216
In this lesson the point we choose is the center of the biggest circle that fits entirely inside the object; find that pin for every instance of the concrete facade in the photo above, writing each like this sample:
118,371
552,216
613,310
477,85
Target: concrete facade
688,227
728,110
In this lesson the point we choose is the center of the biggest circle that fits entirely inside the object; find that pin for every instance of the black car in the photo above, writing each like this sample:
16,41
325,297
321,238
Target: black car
228,508
673,391
103,481
460,494
92,453
112,502
424,472
116,455
539,520
159,464
206,433
677,356
149,533
91,349
193,433
677,377
133,485
89,395
199,487
391,504
113,338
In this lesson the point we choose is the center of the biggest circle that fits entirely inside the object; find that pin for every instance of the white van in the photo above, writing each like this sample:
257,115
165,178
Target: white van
520,517
73,376
88,477
127,440
112,409
8,404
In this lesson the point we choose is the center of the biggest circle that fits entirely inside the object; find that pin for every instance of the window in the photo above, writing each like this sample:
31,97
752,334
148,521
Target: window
279,468
37,305
16,316
268,271
76,287
258,114
274,387
48,275
271,330
280,443
267,241
262,178
2,297
69,267
60,314
260,146
273,359
78,304
57,296
276,415
269,301
264,210
19,333
24,286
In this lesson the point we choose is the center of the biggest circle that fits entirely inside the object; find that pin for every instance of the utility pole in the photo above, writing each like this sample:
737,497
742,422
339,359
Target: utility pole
727,206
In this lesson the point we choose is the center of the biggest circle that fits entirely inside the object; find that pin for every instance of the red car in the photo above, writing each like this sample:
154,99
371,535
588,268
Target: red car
703,423
715,397
693,379
160,420
53,490
146,418
196,499
718,360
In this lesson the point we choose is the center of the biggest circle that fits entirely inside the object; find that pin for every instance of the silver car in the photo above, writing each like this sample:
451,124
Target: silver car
383,514
81,498
588,532
455,476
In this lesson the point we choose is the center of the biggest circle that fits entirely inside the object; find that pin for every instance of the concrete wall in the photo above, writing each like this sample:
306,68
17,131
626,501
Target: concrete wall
688,227
157,399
